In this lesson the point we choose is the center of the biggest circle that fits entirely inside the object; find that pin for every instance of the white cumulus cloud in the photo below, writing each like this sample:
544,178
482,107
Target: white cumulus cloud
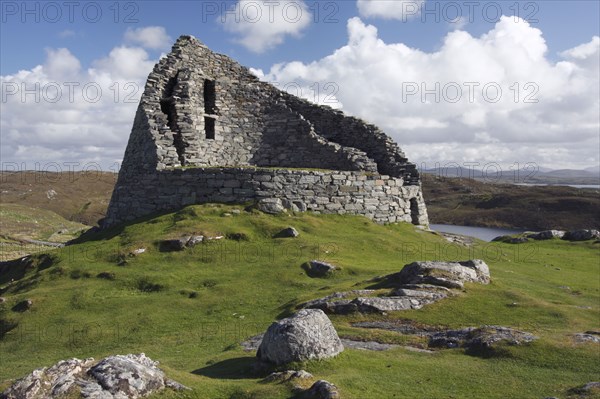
59,112
263,25
389,9
493,98
150,37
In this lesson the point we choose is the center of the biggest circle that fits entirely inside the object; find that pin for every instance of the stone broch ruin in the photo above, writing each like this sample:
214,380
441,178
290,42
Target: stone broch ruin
208,130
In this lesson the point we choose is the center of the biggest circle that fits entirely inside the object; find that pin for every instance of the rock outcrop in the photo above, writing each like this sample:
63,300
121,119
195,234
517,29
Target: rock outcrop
115,377
547,234
480,338
582,235
445,274
307,335
416,285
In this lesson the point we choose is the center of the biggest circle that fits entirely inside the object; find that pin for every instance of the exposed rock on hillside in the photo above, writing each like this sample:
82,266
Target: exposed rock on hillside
582,235
445,274
547,234
588,336
321,390
317,268
288,232
416,285
484,337
115,377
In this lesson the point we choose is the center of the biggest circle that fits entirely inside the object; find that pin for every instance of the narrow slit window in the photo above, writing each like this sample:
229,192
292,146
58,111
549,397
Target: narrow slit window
209,128
209,97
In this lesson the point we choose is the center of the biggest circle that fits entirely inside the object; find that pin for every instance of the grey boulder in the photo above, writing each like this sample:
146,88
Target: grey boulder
317,268
288,232
445,274
321,390
307,335
271,205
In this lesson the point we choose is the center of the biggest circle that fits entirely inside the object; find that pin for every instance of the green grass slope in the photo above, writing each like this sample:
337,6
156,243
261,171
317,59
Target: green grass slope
19,223
190,310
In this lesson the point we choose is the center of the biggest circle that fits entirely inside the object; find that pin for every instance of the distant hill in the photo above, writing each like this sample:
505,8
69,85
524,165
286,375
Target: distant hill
81,197
524,175
469,202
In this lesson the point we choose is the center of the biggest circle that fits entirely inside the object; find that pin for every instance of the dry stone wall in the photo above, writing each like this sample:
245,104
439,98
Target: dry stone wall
383,199
205,122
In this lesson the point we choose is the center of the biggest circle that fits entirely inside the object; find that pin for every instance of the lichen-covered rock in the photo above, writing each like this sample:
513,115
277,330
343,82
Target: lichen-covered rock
588,336
307,335
321,390
317,268
484,337
445,274
115,377
132,375
271,205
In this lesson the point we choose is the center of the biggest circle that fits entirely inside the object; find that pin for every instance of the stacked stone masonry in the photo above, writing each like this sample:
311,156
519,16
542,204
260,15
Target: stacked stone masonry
206,128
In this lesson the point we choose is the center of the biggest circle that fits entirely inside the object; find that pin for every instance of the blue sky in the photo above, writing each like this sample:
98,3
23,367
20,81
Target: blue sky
565,24
330,42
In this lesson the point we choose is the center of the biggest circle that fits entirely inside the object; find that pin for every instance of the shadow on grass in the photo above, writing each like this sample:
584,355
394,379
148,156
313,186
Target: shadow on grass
384,282
97,234
234,369
288,309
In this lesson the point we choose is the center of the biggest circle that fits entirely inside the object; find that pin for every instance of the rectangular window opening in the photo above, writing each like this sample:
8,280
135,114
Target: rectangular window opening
209,128
209,97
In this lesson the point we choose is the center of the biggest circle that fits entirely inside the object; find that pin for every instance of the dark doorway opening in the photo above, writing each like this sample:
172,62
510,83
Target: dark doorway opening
414,211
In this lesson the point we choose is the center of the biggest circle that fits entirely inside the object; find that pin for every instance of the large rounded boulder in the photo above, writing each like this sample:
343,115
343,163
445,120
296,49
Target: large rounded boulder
307,335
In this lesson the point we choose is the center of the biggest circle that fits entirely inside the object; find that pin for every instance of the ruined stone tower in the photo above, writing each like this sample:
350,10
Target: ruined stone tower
207,130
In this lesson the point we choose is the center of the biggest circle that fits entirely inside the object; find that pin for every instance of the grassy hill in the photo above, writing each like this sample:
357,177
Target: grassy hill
191,310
